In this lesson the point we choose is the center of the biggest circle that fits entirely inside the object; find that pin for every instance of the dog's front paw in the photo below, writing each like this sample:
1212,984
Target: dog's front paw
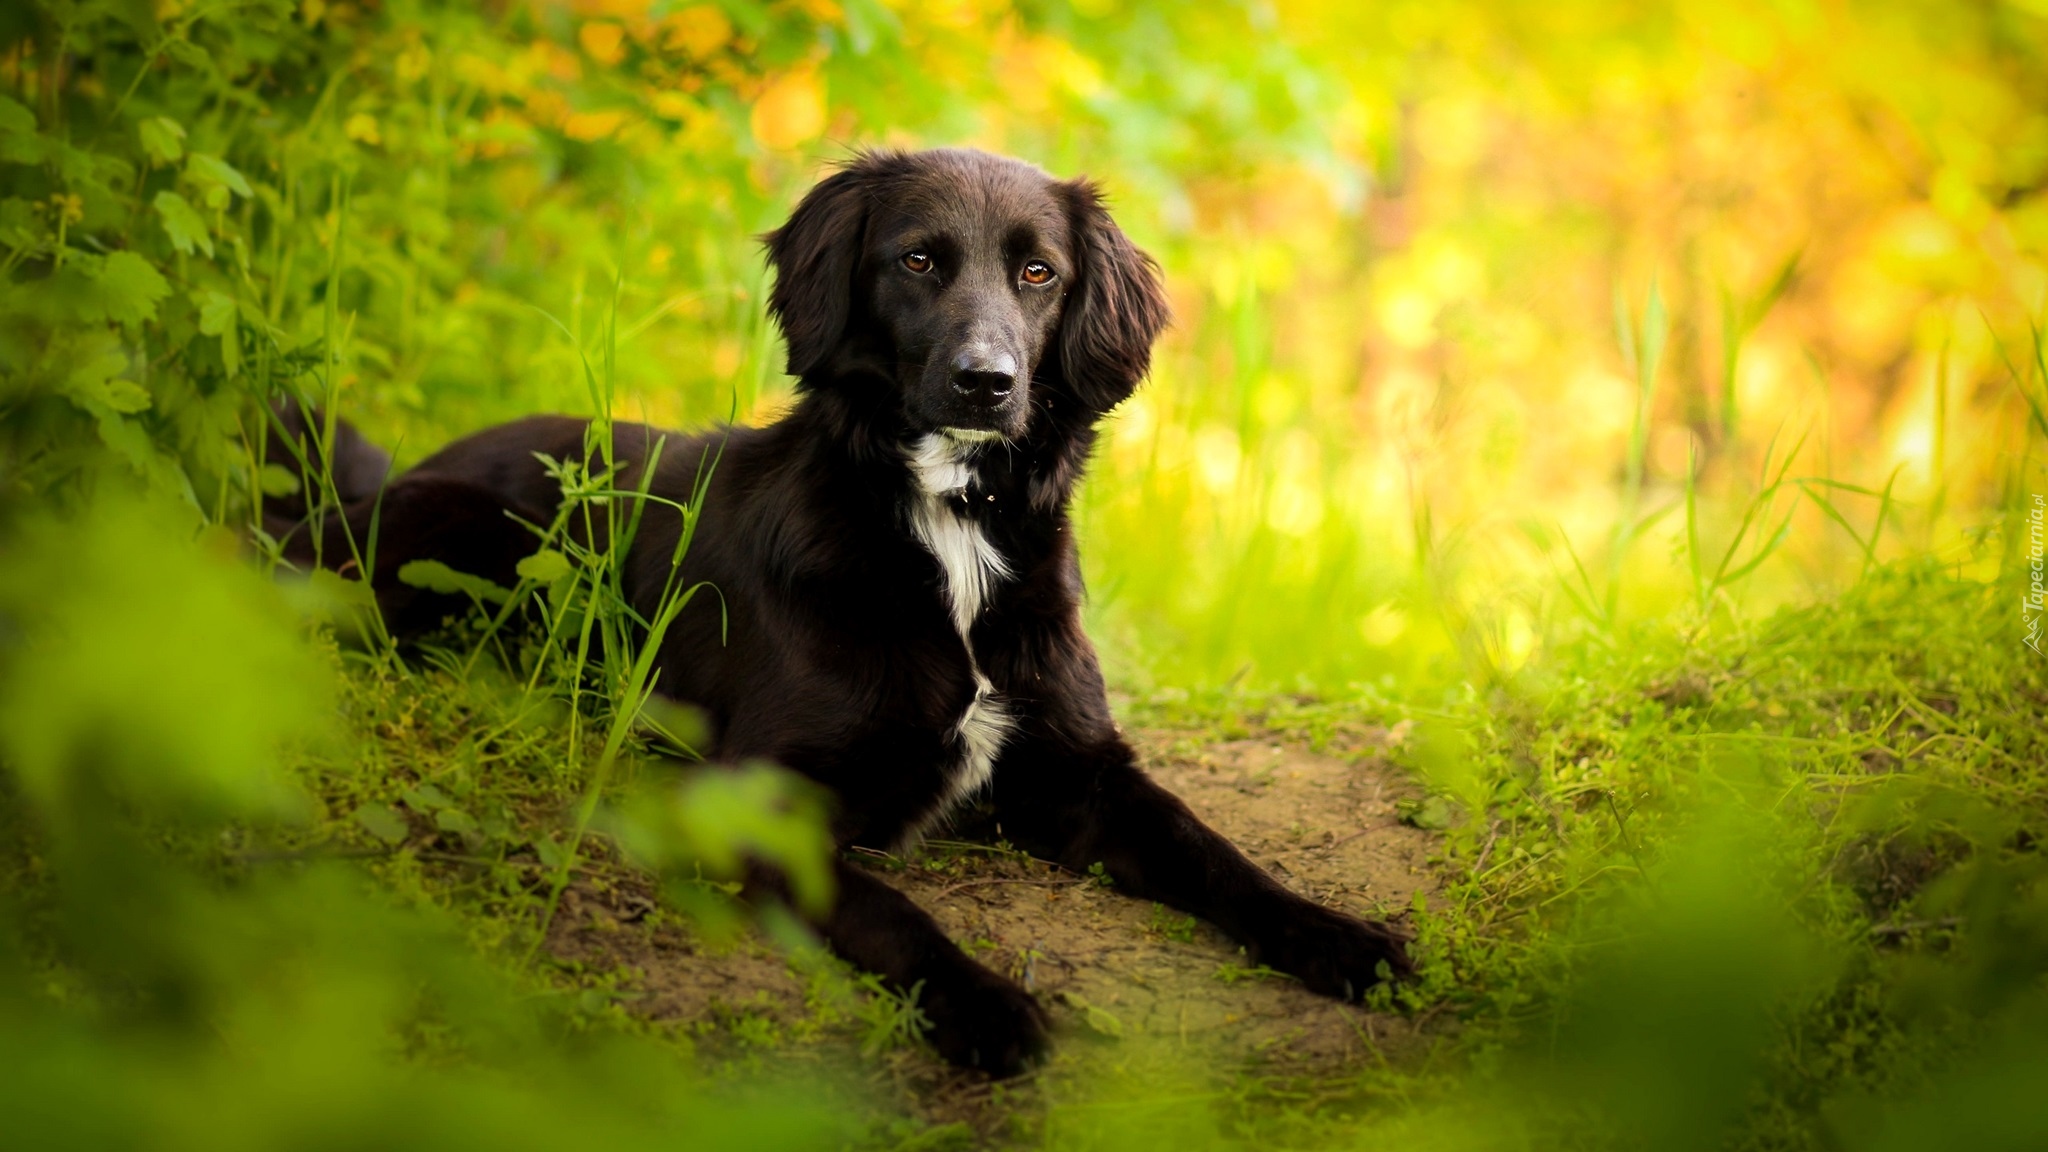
980,1020
1334,953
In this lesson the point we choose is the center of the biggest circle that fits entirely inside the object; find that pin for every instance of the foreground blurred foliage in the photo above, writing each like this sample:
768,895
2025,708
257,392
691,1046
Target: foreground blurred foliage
1528,357
160,986
1782,889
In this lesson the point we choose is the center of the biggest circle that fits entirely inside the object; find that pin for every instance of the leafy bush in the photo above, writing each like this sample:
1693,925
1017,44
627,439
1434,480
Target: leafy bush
191,235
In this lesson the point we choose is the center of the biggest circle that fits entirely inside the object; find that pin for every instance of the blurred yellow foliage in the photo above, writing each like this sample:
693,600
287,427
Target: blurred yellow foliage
363,127
790,111
592,125
697,31
1411,246
603,40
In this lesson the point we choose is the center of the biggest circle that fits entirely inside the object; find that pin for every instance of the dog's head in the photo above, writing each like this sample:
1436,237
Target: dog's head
965,281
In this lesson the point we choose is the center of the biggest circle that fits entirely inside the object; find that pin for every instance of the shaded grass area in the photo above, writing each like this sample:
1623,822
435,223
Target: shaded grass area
1744,881
1765,886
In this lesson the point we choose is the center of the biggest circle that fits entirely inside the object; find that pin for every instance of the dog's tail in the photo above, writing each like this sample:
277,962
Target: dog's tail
357,469
371,524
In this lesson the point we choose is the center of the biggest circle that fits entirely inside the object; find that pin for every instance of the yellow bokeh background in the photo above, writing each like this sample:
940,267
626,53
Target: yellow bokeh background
1418,254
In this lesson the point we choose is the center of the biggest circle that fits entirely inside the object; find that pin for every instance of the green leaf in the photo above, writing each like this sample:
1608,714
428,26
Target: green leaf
544,567
16,120
426,798
231,353
457,821
19,227
679,724
183,223
189,54
1230,973
92,388
129,441
435,576
1100,1021
216,312
277,480
129,288
339,591
125,396
24,149
383,822
717,820
551,854
1432,814
163,138
88,384
206,169
19,143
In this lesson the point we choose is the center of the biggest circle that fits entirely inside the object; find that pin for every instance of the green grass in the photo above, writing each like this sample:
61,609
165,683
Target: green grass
1704,880
1772,885
1774,878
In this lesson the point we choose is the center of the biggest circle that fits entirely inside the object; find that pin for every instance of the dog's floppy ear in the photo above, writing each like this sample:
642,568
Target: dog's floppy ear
815,256
1115,312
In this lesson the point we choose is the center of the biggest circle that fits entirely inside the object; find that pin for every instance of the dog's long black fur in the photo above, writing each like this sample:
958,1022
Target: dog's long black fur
898,614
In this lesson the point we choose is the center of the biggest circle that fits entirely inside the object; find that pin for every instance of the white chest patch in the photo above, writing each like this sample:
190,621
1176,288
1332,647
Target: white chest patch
971,567
971,564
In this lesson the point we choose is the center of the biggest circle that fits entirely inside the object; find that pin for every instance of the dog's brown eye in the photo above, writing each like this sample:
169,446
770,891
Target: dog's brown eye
1038,272
917,262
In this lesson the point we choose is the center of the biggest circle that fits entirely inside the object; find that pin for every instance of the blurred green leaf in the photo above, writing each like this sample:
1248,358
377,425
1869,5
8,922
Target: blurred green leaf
551,855
15,120
383,822
276,480
426,798
129,288
435,576
216,313
211,171
163,140
94,384
1432,813
717,820
142,663
683,726
544,567
1099,1020
183,224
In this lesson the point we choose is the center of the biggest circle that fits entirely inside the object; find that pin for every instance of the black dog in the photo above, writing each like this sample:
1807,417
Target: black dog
897,570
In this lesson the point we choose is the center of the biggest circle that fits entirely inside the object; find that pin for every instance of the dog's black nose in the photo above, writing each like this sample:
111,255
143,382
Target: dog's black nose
984,378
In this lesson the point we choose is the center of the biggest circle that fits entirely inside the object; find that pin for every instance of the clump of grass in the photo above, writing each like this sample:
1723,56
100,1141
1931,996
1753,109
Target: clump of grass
1876,754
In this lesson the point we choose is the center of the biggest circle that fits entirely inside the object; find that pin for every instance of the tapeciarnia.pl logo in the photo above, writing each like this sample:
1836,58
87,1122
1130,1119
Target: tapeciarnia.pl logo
2031,606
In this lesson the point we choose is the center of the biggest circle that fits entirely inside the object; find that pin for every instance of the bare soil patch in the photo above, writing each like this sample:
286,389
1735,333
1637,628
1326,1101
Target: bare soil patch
1112,969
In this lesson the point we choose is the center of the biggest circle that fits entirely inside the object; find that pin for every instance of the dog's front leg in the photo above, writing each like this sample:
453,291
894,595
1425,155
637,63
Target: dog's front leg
1089,804
978,1019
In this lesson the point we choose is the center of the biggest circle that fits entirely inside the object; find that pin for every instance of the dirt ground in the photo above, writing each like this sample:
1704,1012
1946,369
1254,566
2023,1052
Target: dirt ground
1111,969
